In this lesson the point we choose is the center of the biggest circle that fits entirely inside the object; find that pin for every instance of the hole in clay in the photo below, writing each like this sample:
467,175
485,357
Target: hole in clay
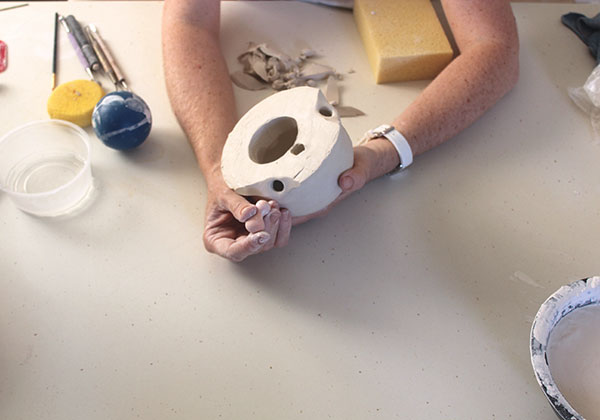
325,111
273,139
277,185
297,149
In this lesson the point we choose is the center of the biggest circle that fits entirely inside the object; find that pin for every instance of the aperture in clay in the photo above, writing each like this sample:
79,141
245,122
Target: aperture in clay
273,139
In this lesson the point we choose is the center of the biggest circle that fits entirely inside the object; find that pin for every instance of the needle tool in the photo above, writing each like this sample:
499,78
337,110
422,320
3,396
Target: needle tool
80,56
14,7
54,52
111,60
103,60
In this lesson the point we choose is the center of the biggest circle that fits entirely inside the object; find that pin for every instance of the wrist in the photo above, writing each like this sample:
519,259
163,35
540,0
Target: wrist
389,134
213,178
383,157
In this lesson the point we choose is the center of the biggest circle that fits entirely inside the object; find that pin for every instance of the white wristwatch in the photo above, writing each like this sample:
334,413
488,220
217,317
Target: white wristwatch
397,139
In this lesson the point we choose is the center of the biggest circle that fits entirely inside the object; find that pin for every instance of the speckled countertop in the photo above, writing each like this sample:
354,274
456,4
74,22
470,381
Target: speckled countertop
413,299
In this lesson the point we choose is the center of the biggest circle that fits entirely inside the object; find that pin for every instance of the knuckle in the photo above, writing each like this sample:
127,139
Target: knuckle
208,243
237,207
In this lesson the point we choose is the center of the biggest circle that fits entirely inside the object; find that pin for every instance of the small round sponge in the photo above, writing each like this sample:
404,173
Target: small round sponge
74,101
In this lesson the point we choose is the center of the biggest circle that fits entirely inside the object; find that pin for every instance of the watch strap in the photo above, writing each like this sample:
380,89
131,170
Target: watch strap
398,141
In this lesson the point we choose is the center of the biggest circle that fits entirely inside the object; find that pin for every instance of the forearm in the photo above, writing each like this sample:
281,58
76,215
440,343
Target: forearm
485,70
197,79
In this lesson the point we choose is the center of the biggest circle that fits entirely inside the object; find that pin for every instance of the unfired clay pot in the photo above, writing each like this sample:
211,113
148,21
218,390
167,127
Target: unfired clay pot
291,147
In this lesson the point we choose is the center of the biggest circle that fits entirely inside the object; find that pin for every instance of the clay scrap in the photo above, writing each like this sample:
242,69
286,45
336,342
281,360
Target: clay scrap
264,66
270,66
348,111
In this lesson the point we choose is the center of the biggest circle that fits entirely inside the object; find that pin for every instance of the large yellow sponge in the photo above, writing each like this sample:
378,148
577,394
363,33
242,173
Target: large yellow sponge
404,39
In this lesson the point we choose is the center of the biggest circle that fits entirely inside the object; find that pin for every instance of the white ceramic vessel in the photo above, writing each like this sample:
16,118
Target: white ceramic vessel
290,147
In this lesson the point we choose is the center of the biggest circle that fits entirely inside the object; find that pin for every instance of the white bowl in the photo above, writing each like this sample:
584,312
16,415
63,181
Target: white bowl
565,300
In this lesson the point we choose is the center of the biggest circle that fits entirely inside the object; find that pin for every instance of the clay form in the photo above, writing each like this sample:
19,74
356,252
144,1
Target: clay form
332,91
291,147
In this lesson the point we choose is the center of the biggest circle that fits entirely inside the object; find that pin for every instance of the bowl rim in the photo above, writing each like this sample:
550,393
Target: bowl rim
86,164
569,297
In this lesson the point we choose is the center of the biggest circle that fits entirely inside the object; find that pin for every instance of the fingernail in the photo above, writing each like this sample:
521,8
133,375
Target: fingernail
347,182
264,207
263,238
248,212
285,214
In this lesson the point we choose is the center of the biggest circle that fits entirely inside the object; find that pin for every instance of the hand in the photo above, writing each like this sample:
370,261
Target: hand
236,228
371,160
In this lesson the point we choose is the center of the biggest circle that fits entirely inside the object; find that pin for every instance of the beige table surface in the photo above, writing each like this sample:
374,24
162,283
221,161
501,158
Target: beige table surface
413,299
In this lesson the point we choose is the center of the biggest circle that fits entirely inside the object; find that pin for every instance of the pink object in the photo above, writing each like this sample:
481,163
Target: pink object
3,56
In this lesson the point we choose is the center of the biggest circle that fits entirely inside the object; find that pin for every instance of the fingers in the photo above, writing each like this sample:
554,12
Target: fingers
271,227
256,223
285,228
273,230
371,160
241,248
354,178
239,207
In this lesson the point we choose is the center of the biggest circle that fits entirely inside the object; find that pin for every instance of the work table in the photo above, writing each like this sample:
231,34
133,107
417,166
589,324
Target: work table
412,299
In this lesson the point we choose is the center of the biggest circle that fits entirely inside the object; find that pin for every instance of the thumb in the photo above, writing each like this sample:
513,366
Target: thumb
238,206
353,179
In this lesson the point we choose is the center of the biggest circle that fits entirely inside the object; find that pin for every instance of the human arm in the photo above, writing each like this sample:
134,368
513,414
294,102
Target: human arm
484,71
202,99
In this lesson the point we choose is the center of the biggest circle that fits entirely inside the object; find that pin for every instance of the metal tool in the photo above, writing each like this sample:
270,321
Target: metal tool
103,60
83,42
93,32
78,51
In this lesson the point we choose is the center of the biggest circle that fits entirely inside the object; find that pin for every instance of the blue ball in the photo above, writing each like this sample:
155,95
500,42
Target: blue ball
122,120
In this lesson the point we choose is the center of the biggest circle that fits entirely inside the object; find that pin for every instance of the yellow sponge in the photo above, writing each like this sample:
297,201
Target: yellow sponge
404,39
75,101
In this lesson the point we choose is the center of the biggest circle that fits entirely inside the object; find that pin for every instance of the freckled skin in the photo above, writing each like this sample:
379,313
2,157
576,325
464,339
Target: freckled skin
201,95
485,70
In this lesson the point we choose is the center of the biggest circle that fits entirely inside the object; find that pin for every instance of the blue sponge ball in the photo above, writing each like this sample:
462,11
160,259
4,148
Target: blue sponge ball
122,120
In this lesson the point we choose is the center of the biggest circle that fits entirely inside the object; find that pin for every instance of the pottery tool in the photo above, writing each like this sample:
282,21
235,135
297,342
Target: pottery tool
83,42
14,7
118,74
54,51
404,40
102,57
121,119
78,51
74,101
3,56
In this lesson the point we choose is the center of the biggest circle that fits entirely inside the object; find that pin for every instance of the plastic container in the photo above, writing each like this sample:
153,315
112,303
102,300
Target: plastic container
45,167
564,301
